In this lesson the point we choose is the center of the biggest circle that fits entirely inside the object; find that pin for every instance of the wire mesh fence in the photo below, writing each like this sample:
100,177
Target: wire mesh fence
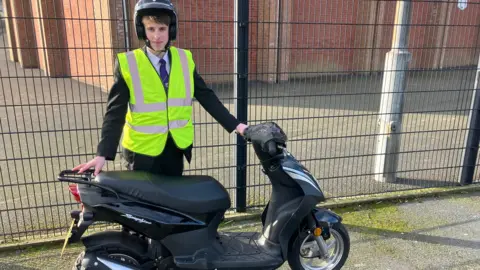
326,87
315,67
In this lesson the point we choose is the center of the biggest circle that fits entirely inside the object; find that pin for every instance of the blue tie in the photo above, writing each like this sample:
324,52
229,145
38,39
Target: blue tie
164,73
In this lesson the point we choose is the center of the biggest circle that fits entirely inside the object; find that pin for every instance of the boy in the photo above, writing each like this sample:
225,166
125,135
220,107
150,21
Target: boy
150,100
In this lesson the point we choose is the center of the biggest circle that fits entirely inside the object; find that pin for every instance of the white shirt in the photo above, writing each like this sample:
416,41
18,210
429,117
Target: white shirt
156,61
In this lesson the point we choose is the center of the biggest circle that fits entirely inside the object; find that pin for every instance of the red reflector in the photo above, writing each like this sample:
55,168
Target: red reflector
74,190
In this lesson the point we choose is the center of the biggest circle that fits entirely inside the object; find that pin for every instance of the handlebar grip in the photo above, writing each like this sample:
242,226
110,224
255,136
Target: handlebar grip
246,134
272,147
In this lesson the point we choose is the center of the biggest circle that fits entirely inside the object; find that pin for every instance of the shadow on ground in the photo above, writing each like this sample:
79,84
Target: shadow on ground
415,236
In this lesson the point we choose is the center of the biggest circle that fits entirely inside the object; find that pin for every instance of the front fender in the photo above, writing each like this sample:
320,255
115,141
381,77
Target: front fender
323,215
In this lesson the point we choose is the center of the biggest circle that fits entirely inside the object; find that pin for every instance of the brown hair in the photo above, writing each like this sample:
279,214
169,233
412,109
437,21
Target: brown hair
163,18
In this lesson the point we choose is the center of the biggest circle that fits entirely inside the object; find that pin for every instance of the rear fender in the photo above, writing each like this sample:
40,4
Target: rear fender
104,243
120,240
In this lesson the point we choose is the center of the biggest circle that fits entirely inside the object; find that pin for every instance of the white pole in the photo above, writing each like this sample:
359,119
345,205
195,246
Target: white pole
391,105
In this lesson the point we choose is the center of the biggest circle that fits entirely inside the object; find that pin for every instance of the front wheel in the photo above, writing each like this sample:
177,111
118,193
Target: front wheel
302,254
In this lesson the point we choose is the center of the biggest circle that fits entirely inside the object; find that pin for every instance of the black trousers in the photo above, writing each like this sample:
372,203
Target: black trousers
170,162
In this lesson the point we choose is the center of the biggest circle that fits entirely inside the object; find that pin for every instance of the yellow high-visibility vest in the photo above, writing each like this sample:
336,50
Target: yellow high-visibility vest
151,113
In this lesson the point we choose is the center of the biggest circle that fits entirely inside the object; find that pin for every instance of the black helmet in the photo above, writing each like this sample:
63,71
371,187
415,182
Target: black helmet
152,7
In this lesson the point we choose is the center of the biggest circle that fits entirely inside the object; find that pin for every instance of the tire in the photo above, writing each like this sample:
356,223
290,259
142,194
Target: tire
78,262
341,249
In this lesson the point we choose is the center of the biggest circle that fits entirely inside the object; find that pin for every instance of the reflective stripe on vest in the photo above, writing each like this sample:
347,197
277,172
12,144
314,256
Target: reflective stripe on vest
159,129
140,105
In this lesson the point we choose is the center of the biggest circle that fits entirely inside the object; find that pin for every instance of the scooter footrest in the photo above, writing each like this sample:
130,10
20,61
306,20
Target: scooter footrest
242,251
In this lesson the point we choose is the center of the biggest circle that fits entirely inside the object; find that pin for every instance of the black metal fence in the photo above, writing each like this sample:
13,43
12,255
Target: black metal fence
316,67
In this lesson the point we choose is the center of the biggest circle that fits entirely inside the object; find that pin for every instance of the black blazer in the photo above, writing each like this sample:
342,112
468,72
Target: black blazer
117,105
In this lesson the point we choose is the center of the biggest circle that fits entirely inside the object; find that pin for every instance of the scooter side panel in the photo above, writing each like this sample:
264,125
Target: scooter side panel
292,225
196,249
307,182
309,195
153,221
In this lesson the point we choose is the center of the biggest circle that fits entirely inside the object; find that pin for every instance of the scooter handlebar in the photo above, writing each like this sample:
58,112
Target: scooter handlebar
267,136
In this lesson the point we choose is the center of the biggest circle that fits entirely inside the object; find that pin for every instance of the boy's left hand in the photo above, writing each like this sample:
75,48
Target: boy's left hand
241,128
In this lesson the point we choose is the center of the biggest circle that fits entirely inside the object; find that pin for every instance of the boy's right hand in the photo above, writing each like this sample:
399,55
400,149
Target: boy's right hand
97,162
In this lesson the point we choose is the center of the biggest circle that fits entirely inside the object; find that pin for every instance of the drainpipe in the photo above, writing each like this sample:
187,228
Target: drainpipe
125,24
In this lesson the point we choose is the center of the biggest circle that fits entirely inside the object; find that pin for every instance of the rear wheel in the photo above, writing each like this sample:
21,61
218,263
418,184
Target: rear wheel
116,255
78,262
303,253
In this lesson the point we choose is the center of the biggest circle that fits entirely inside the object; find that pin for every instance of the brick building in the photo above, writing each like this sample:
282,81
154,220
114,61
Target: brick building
288,39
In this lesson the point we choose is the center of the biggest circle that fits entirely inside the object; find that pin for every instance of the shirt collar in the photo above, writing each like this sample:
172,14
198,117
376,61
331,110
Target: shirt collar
155,59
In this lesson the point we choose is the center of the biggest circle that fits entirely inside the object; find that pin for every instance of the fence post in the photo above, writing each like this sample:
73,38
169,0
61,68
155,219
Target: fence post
241,96
391,104
472,137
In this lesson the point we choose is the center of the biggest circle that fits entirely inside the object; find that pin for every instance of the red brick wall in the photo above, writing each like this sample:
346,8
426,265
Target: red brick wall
10,31
462,34
51,37
461,31
81,37
432,28
93,43
318,35
206,28
211,42
322,33
24,37
110,38
315,36
266,39
383,33
421,35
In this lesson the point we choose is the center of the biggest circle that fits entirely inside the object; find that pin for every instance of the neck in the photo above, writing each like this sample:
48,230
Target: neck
159,53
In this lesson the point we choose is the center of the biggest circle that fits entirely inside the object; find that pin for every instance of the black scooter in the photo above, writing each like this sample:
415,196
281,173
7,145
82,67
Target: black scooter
172,222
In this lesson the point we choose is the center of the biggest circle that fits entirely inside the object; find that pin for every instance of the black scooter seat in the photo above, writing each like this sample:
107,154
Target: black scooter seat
190,194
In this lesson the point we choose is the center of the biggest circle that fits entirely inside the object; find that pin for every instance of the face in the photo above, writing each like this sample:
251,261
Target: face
157,34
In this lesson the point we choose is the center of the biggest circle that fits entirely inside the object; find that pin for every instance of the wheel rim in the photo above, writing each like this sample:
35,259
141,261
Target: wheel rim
335,248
